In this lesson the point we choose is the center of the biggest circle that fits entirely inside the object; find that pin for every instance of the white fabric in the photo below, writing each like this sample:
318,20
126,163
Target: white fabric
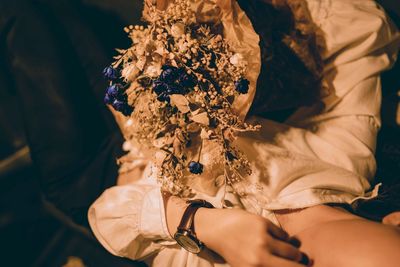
321,154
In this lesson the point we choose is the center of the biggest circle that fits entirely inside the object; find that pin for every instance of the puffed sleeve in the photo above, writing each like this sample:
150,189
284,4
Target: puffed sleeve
360,43
325,153
129,221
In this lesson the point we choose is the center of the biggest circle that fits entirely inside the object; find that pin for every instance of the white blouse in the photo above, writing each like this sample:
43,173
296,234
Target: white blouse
321,154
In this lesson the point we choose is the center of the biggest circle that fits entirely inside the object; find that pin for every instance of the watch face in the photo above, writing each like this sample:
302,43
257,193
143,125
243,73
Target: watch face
187,242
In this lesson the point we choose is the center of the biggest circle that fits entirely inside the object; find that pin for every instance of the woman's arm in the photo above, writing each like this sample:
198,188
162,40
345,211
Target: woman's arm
135,220
241,238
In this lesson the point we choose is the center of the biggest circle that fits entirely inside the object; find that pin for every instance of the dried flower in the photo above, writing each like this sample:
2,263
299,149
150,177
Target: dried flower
113,90
178,29
108,99
182,80
169,74
130,72
152,71
242,86
163,97
160,87
110,73
237,59
122,107
195,167
187,80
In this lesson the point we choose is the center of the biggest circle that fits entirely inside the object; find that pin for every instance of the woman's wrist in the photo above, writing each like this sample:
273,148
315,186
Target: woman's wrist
205,226
175,207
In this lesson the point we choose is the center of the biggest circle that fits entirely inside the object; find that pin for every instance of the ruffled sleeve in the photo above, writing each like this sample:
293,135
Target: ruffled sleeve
129,221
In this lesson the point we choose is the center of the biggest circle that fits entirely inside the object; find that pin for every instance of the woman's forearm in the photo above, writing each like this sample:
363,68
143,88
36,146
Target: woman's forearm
239,237
203,219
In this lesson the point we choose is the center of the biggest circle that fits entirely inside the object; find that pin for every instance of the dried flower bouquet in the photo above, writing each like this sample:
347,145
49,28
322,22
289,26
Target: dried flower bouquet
177,84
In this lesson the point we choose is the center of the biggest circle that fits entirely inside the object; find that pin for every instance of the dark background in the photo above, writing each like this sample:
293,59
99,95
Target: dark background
56,133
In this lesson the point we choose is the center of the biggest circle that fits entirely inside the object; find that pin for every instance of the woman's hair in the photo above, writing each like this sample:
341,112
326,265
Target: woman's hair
291,64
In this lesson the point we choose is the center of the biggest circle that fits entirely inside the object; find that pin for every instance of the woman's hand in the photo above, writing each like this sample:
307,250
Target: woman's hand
241,238
244,239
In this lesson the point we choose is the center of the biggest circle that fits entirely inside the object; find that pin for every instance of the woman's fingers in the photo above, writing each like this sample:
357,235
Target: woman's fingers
277,261
285,247
277,232
285,250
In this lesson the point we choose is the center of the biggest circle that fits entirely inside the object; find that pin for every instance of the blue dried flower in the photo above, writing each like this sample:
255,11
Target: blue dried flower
108,99
169,74
175,89
163,97
187,80
164,90
110,73
170,90
127,110
172,81
195,167
122,107
242,86
159,87
118,105
123,98
113,90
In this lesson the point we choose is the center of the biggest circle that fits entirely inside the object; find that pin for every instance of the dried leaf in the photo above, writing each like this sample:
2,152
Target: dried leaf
121,51
205,134
141,63
193,127
163,141
180,102
178,148
201,118
173,63
195,112
194,107
161,51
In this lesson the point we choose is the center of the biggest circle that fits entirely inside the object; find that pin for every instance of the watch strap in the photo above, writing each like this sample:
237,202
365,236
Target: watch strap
186,223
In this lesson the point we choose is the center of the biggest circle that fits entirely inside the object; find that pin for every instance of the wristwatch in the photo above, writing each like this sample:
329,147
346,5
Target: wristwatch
185,235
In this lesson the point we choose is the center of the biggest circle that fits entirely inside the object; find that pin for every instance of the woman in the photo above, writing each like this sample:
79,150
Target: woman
307,169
